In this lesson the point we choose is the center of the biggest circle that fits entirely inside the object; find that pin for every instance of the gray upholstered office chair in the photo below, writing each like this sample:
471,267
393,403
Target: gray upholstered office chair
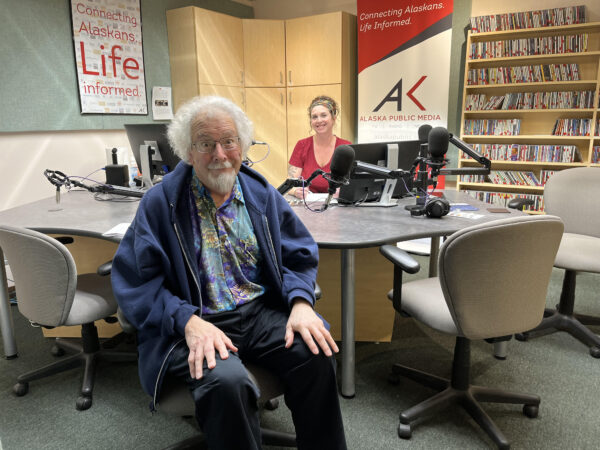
492,282
175,398
51,294
574,196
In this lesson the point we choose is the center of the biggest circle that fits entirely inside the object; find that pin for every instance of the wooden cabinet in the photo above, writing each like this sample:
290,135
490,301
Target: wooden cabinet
314,49
234,93
264,53
249,61
537,120
205,48
267,109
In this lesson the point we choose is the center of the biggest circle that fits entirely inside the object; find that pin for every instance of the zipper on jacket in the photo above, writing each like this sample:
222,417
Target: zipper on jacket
162,366
192,272
271,246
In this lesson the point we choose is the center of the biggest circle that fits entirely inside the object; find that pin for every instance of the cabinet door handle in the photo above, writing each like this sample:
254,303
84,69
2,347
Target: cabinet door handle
290,98
280,77
290,76
242,73
281,95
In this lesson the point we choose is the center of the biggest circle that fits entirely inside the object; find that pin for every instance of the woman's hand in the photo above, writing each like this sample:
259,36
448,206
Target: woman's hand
301,192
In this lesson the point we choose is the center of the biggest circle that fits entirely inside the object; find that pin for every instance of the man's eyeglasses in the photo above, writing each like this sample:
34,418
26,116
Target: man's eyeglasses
227,143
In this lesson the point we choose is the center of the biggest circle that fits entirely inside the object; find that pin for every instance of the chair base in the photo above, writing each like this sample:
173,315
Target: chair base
87,353
268,437
563,318
459,391
571,323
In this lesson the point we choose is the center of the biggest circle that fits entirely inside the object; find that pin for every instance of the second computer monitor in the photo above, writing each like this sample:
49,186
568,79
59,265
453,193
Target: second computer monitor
393,155
139,134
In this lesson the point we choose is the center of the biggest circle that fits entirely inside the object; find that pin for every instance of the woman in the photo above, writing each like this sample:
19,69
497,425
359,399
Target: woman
315,152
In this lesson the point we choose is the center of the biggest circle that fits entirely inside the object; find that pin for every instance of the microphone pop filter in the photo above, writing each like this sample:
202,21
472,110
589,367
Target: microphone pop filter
342,162
424,133
438,142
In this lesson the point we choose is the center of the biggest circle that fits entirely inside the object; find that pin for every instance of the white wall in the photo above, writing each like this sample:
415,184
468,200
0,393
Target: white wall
25,156
288,9
483,7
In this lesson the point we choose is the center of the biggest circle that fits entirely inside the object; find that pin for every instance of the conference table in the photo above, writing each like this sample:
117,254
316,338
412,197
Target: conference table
339,227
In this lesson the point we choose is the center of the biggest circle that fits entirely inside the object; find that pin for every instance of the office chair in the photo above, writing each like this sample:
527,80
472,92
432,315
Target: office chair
51,294
175,398
492,282
574,196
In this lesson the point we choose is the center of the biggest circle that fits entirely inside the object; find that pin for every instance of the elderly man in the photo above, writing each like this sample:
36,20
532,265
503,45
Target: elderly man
216,269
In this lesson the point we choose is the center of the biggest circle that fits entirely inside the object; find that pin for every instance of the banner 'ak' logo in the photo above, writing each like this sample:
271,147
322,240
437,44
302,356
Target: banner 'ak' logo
395,95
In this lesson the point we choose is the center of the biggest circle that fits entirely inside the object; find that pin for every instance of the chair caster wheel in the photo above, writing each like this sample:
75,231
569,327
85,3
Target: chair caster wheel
404,431
20,389
521,337
531,411
57,351
83,403
595,352
272,404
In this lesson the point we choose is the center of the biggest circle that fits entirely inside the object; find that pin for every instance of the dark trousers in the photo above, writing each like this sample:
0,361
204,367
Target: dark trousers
226,399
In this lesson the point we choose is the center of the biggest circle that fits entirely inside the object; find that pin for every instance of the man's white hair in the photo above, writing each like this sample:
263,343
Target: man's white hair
180,129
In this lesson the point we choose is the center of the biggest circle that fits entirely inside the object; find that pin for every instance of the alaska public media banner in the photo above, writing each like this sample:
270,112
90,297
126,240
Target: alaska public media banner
107,35
403,67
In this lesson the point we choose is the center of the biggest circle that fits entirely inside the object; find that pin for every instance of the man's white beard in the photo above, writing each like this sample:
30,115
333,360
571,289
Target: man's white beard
223,182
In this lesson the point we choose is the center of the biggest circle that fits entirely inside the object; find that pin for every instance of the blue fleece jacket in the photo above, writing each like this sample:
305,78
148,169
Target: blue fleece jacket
155,277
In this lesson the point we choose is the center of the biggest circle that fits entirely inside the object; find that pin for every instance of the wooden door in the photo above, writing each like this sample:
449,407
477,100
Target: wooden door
233,93
219,48
266,107
314,49
182,55
264,53
298,101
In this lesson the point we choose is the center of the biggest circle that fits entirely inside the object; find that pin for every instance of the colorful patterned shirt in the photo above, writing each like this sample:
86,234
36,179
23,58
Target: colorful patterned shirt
227,252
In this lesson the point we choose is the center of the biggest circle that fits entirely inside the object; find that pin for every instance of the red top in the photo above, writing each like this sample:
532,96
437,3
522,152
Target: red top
304,156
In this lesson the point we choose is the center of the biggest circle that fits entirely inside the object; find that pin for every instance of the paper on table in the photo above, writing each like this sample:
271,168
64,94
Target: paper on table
466,215
118,230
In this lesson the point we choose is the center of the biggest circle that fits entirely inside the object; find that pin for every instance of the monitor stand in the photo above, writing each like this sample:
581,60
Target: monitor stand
386,200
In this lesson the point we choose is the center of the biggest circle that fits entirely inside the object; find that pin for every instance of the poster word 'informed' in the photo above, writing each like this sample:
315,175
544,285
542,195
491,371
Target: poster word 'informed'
403,67
107,35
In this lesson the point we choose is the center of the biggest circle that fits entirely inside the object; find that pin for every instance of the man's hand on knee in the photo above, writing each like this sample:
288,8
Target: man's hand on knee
304,320
203,338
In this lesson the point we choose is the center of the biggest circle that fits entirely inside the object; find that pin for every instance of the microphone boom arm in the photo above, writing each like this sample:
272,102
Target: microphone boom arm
290,183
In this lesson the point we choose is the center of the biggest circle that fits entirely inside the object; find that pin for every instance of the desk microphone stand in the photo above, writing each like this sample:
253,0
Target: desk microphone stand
290,183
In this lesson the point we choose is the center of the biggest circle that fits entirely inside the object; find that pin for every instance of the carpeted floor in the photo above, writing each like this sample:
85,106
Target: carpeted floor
556,367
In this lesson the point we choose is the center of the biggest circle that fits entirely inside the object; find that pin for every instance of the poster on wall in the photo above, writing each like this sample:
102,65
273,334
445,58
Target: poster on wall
403,67
107,36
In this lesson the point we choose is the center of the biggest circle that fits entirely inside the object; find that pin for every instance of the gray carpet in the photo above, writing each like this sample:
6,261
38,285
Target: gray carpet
556,367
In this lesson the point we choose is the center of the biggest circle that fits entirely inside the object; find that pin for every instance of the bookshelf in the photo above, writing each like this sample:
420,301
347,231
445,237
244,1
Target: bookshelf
544,77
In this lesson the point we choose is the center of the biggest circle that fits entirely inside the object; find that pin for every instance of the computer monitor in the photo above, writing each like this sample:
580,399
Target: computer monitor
365,187
164,158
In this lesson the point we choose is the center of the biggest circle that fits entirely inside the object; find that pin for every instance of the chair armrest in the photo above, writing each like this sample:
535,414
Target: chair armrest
125,324
403,262
520,203
318,292
400,258
105,269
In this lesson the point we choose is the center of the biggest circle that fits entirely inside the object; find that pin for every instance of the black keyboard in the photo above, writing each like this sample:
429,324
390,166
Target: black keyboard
122,190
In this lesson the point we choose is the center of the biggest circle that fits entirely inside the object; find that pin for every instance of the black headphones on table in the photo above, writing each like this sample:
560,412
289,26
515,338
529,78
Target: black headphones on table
435,207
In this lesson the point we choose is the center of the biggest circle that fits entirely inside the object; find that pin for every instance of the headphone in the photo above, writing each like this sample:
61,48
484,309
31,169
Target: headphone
435,207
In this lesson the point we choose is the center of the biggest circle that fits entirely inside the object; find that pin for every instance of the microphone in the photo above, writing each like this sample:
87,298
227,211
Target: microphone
342,162
424,133
438,144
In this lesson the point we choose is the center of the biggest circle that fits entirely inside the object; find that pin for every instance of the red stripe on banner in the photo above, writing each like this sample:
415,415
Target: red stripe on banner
385,25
